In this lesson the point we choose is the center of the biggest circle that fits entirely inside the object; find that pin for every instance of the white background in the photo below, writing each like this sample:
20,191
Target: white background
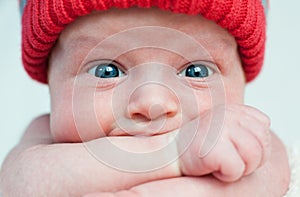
276,91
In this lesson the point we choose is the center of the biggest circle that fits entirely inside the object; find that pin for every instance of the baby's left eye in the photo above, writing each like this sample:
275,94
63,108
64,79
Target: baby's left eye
106,70
196,70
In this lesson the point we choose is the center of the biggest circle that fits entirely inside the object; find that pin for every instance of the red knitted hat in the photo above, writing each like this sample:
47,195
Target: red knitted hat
43,21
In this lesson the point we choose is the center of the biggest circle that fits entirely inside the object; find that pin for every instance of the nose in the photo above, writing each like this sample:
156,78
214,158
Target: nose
152,101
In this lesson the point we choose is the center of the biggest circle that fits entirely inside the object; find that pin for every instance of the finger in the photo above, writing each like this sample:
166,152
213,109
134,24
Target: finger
221,158
261,133
253,112
248,148
225,162
256,123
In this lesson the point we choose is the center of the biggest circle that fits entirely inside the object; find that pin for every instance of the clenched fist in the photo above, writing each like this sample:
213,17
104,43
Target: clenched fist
230,142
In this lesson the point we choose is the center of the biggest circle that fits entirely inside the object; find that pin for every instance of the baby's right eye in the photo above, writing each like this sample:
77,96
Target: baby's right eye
106,70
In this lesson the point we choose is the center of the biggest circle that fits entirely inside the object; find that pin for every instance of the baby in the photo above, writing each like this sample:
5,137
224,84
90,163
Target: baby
145,101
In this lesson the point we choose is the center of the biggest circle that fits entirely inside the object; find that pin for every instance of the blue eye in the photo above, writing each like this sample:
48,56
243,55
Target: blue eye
196,70
106,70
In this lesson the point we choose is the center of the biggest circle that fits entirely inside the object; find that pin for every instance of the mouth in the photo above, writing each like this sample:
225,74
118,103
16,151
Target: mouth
145,133
151,128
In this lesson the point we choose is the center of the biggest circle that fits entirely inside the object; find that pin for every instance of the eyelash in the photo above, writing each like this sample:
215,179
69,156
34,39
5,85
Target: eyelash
197,67
113,65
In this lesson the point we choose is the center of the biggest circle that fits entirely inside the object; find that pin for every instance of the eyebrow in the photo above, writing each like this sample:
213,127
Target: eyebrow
205,51
82,40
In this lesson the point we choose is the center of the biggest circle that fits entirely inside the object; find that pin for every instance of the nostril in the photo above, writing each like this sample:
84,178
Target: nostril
153,112
152,101
171,114
139,117
156,111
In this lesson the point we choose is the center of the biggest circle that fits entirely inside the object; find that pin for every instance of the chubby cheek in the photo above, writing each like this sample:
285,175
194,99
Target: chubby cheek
205,101
235,82
103,111
235,95
234,90
79,114
221,93
62,120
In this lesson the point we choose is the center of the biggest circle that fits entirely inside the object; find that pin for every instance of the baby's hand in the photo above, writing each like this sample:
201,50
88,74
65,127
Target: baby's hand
231,142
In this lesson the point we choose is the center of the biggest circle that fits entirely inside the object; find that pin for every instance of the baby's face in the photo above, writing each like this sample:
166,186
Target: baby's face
139,72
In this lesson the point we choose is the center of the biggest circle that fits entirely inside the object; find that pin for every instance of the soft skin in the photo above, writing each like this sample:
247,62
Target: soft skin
38,166
75,92
153,96
86,108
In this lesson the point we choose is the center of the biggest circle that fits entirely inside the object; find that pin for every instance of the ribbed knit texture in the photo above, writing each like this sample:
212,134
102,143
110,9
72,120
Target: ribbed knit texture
43,20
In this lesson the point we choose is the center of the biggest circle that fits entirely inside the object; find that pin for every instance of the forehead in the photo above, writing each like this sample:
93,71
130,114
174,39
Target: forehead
96,27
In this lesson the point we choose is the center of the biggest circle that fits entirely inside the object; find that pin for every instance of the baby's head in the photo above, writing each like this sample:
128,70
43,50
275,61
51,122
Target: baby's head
143,70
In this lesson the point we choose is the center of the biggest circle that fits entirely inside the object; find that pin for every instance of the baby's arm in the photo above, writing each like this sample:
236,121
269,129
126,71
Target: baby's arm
37,167
86,174
270,180
246,130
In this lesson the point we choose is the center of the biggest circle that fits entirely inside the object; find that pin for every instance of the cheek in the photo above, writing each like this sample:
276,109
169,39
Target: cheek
234,89
205,100
79,114
234,83
235,95
229,91
104,112
62,122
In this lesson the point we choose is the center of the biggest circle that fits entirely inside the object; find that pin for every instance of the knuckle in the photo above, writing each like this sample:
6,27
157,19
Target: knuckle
254,154
211,162
237,171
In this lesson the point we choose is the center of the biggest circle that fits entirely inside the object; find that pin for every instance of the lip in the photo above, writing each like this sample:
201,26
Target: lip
122,132
145,128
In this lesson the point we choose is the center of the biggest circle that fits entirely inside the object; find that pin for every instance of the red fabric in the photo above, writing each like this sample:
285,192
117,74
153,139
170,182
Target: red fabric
43,20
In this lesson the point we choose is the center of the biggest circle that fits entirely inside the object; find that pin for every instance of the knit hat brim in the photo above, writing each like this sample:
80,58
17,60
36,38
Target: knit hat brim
44,20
